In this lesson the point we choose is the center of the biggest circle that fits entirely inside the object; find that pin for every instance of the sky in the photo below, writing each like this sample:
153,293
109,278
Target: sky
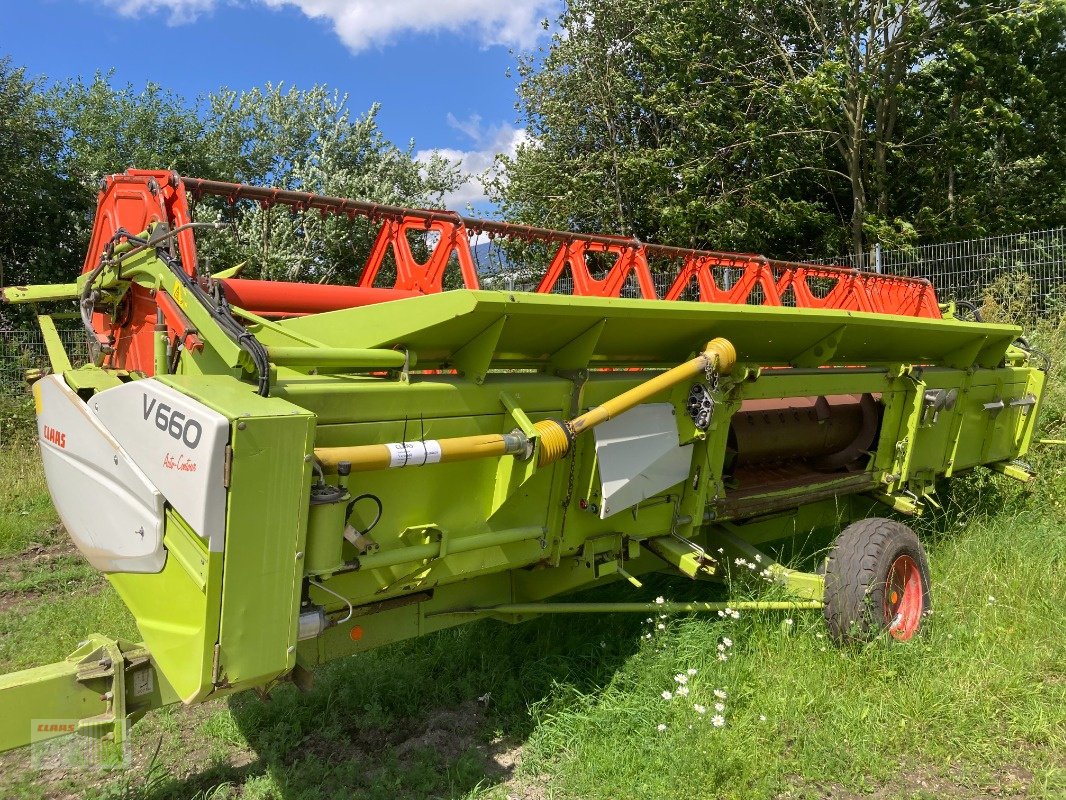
439,68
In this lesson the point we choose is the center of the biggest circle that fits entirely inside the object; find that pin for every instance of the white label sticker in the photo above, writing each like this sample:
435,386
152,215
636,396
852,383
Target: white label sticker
142,682
413,454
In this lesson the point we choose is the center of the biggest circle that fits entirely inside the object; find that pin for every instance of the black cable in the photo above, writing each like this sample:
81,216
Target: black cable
1023,343
220,312
974,309
377,518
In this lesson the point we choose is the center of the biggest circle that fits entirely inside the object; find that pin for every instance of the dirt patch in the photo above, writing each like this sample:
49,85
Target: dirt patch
12,600
53,542
448,732
54,551
1010,781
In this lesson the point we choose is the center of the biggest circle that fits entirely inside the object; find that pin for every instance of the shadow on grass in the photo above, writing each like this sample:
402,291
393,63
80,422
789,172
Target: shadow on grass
439,716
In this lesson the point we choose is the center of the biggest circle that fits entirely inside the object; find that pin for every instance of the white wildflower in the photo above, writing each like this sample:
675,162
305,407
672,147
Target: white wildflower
699,709
762,718
682,691
718,720
735,615
758,557
723,657
667,694
660,727
991,599
719,707
659,600
789,621
691,671
681,677
727,641
721,647
721,695
661,627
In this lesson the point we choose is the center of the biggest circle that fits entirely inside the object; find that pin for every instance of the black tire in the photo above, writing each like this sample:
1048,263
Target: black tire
876,582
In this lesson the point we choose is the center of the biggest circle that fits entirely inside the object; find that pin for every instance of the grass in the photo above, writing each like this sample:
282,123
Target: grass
572,708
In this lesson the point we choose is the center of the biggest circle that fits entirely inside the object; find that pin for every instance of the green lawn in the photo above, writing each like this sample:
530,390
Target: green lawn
572,708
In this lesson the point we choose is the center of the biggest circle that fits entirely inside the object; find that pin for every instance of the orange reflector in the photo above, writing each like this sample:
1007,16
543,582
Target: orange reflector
356,633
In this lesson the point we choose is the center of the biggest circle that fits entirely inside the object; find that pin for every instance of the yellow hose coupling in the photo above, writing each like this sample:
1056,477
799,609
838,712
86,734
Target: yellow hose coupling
555,440
722,355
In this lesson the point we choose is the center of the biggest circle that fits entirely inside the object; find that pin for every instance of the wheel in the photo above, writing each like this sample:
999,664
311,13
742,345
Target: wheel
876,580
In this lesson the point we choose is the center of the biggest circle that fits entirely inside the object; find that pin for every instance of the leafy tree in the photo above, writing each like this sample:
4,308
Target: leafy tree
991,160
57,144
307,140
799,127
35,200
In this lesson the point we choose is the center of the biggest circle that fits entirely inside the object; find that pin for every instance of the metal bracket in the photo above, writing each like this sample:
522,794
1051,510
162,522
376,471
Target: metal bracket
474,357
510,402
102,687
821,351
1014,469
688,557
577,353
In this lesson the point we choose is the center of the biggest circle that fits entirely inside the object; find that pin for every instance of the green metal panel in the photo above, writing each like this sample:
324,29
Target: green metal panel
535,326
265,532
177,610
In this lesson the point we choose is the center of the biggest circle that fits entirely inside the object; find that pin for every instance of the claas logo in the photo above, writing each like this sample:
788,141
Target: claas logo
58,438
56,727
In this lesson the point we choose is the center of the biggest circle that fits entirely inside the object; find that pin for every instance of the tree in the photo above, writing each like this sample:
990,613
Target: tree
991,161
35,210
799,127
295,139
309,141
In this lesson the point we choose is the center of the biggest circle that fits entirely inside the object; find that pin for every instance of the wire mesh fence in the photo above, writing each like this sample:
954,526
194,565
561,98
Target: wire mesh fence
23,349
964,270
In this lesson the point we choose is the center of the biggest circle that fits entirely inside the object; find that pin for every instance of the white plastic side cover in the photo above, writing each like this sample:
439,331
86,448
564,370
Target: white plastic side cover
107,505
179,443
639,456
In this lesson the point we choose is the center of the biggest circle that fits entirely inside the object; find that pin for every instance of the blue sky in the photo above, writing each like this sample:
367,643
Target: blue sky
438,67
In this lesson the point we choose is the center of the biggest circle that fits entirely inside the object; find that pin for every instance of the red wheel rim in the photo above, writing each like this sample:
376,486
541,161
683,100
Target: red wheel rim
903,598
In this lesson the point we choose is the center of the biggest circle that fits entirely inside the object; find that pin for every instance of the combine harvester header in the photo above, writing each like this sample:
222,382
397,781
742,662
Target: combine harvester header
273,475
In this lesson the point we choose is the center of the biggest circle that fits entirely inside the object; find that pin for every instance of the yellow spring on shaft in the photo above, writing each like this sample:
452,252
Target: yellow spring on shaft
554,441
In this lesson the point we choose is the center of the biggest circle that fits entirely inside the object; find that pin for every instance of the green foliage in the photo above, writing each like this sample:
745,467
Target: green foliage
36,202
796,128
55,145
308,141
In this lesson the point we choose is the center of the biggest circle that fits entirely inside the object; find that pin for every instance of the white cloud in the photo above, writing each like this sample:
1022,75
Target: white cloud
362,24
476,163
